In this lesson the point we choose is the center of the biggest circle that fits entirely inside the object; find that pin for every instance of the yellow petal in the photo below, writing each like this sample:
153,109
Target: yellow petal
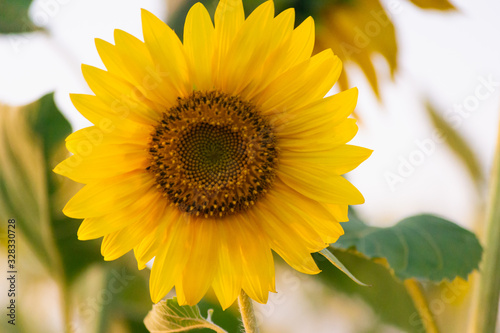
250,47
257,261
339,211
109,195
199,45
321,219
284,239
99,226
302,44
319,184
315,140
136,67
167,52
272,64
79,141
199,271
228,276
301,85
170,259
120,97
118,243
229,16
339,160
104,161
150,245
320,116
108,120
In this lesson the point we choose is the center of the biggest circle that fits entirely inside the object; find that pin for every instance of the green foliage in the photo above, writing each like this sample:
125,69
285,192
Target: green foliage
168,316
130,299
14,16
51,128
385,295
23,192
337,263
31,144
423,247
228,319
457,144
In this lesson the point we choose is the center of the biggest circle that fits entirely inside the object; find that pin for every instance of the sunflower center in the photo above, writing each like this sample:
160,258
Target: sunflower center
213,154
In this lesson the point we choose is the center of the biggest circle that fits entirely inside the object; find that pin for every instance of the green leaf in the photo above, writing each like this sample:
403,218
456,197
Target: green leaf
423,247
335,262
386,295
229,319
14,16
130,299
51,126
457,144
23,182
168,317
434,4
31,144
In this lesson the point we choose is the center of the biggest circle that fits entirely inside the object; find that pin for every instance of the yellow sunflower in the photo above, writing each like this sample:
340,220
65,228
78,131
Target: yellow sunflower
209,154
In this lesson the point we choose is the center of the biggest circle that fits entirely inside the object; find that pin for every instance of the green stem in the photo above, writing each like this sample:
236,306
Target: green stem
489,283
247,313
418,298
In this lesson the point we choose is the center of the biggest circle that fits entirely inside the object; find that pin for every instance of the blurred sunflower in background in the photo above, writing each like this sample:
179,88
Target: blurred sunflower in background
225,151
358,30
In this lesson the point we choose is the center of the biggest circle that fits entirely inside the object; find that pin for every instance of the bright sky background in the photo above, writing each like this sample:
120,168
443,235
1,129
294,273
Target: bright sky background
442,57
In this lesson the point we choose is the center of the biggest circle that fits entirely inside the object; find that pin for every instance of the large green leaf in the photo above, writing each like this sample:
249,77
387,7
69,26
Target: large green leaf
14,16
423,247
168,317
386,295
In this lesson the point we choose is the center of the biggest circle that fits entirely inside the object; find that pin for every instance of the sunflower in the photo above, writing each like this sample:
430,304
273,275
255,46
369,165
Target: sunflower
209,154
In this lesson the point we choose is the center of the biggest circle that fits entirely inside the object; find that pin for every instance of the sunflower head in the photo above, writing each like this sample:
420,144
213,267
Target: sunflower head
211,153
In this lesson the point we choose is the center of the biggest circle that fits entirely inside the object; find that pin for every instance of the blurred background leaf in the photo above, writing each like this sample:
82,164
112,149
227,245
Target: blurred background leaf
434,4
458,145
14,16
23,182
386,296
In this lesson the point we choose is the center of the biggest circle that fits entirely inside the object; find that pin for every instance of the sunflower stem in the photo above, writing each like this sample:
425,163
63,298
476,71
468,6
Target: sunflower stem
417,295
247,313
489,284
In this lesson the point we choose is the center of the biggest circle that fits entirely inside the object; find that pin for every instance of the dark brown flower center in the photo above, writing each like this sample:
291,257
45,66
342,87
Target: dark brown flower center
213,154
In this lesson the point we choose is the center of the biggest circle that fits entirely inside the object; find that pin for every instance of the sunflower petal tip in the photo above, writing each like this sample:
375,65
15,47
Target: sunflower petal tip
155,297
